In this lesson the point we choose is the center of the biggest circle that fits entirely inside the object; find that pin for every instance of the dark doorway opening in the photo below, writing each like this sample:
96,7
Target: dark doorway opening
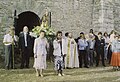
27,18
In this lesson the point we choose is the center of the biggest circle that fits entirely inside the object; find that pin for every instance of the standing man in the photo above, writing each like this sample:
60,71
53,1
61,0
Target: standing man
25,46
8,41
100,43
82,43
71,59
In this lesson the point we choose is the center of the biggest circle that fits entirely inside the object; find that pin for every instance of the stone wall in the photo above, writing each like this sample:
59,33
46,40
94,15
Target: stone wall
67,15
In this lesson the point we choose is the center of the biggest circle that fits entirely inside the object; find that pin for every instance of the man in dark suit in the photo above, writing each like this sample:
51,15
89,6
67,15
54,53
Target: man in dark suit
100,43
25,47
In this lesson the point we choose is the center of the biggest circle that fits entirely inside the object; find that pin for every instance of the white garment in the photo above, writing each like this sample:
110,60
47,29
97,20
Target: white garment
8,38
71,59
112,37
107,39
57,49
41,52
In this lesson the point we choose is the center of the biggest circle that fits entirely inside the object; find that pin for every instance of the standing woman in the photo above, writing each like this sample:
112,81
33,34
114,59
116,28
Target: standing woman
115,60
40,51
107,41
112,38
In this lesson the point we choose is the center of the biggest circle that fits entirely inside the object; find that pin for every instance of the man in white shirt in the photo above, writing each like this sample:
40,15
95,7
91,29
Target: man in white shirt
8,41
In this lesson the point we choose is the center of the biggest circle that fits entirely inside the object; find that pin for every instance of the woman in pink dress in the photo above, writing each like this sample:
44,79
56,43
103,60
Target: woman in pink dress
40,51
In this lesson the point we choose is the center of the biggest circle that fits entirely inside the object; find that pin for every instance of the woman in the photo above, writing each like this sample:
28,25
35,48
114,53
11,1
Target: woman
115,60
112,38
107,41
40,52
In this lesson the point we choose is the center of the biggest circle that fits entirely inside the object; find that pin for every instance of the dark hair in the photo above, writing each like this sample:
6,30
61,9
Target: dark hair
42,31
91,30
99,33
81,32
59,32
66,34
105,33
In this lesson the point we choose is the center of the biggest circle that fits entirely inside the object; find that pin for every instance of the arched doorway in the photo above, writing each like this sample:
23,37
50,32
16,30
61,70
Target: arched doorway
26,18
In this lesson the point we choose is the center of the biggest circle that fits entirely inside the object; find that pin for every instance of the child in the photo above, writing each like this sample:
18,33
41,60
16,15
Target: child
58,53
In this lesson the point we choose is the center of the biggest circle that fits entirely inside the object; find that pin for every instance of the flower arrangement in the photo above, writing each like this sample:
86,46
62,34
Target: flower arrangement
50,33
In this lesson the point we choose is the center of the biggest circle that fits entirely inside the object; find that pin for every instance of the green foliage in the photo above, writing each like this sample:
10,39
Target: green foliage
50,33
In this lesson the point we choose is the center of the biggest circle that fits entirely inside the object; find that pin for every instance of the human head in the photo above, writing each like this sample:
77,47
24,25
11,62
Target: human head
25,29
82,35
59,35
91,31
70,35
105,34
66,34
12,30
42,34
99,34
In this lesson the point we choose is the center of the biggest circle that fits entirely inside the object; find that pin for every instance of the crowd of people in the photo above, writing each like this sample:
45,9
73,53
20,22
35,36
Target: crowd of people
88,50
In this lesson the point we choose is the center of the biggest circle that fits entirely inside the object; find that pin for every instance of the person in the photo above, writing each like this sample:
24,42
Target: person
91,45
82,43
107,41
65,47
8,40
112,38
40,52
58,53
115,59
71,59
25,47
100,43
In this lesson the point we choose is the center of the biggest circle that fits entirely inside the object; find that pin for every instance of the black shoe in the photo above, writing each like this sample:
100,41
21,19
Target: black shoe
96,65
86,66
104,65
21,67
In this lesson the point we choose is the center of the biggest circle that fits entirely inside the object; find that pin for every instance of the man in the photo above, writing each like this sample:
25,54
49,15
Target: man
82,43
90,49
58,53
100,43
8,41
71,59
25,46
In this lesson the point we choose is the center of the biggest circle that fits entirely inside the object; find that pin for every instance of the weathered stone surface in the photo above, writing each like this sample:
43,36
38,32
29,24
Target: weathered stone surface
67,15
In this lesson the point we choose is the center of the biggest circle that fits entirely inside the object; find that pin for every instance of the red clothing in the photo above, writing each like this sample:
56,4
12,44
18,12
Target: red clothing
115,60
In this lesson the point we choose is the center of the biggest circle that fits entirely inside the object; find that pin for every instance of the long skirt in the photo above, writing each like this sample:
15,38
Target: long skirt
40,62
115,60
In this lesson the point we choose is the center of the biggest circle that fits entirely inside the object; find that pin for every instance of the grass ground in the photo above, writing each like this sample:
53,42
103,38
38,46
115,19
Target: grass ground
95,74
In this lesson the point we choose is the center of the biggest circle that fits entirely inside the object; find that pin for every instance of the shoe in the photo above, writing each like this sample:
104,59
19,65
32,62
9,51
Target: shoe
59,74
86,66
104,65
41,75
63,74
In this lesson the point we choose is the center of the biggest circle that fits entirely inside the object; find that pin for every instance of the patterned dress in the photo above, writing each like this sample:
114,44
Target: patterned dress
40,53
